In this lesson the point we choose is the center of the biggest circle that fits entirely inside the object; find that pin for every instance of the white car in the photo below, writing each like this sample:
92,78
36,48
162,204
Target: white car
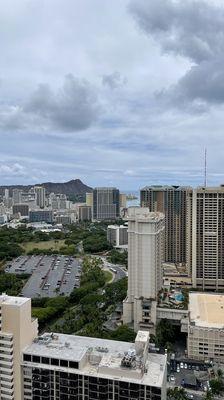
185,365
181,365
172,378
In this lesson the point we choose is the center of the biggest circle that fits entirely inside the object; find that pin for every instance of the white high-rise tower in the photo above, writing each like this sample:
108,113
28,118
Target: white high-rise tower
145,257
40,196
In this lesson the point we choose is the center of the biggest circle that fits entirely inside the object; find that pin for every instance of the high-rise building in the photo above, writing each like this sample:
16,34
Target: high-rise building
145,257
106,204
17,330
6,194
89,199
171,201
123,200
58,201
17,196
40,196
22,209
68,367
84,213
205,237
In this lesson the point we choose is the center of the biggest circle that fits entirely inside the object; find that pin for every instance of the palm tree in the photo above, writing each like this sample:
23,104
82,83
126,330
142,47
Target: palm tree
208,395
177,394
220,374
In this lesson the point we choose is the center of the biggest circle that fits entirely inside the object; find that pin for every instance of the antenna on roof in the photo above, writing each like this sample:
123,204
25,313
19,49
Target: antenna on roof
205,171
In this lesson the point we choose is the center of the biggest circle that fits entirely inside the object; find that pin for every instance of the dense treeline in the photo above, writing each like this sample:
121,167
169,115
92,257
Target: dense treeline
118,257
12,284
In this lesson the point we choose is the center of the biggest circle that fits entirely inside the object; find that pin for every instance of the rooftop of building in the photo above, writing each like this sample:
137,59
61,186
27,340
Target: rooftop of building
207,309
143,214
209,189
105,188
102,357
13,300
165,187
117,227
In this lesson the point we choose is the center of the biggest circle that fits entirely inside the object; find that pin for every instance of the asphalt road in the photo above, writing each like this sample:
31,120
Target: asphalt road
120,270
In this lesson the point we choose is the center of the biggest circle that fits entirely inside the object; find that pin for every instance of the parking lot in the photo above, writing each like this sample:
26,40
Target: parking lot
50,275
192,375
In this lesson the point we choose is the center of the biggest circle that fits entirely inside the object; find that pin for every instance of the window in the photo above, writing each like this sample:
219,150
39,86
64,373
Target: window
27,357
73,364
54,361
36,359
45,360
63,363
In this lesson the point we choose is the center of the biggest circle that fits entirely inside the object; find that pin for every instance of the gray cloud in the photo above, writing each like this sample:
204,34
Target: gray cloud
114,80
13,169
191,29
72,107
124,134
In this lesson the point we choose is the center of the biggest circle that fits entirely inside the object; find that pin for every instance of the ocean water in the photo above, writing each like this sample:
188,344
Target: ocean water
134,202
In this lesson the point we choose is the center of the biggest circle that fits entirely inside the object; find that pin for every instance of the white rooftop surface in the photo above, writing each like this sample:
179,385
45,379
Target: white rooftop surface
77,348
207,310
12,300
143,214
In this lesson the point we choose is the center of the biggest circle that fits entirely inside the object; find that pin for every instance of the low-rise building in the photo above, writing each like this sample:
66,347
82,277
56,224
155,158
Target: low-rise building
3,219
117,235
206,326
41,216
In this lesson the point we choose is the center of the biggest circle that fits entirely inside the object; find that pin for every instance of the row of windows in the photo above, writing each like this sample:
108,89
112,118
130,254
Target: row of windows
56,383
50,361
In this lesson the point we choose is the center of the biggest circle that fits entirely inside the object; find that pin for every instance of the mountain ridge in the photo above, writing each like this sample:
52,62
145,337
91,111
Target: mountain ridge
71,187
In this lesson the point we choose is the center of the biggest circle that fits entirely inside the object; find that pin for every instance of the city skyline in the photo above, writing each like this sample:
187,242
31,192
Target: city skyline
87,94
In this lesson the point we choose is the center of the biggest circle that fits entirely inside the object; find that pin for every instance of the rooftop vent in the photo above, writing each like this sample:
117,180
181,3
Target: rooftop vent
129,359
102,349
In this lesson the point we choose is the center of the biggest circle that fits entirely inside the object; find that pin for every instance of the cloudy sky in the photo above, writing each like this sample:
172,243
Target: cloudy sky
124,92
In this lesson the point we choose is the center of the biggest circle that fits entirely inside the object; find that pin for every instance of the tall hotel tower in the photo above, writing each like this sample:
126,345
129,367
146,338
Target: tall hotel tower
205,237
171,201
106,203
145,257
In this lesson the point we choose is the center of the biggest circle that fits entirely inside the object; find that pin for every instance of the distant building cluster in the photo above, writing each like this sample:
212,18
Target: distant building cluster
35,206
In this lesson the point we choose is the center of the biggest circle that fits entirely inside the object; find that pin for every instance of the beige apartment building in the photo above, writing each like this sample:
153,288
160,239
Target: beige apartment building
17,330
206,326
205,237
69,367
145,257
171,201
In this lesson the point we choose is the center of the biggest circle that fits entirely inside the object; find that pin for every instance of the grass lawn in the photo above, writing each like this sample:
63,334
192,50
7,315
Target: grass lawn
108,276
51,244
